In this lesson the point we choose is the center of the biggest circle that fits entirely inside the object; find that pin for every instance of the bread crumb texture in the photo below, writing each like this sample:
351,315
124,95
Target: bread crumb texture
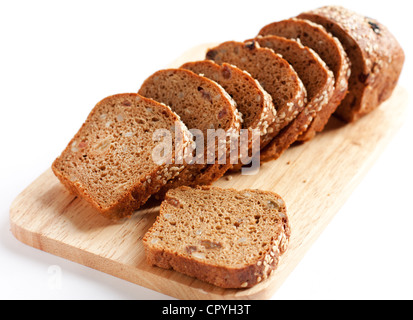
232,239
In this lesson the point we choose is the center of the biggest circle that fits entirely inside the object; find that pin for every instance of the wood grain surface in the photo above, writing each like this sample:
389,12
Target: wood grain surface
315,179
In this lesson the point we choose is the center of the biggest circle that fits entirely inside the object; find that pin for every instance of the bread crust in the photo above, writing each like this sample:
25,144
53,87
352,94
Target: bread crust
199,174
331,51
235,276
260,105
136,195
247,56
376,57
311,69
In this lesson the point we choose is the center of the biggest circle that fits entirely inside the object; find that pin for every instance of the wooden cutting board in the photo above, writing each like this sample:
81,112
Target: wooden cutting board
315,179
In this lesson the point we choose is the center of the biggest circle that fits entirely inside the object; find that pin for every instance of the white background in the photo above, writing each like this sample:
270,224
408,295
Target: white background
57,59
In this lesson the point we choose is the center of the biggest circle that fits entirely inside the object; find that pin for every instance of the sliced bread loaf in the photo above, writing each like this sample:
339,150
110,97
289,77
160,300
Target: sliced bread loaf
375,54
275,75
229,238
318,80
109,161
329,49
202,104
254,103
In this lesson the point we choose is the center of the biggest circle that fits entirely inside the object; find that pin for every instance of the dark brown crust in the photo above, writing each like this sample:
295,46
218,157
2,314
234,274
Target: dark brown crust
339,94
265,115
310,35
123,209
285,113
225,277
133,198
317,99
200,174
285,138
376,57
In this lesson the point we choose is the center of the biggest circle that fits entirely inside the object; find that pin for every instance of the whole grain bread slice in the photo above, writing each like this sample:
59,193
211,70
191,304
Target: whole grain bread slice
318,80
109,161
376,58
330,50
229,238
253,102
274,74
203,105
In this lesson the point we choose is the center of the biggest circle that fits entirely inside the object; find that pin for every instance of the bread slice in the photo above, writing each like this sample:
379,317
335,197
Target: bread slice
329,49
109,161
318,80
229,238
202,104
274,74
253,102
376,58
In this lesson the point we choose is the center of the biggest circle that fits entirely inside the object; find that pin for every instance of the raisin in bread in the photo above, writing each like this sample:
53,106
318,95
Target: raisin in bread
109,161
330,50
375,54
202,104
253,102
275,75
229,238
318,80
